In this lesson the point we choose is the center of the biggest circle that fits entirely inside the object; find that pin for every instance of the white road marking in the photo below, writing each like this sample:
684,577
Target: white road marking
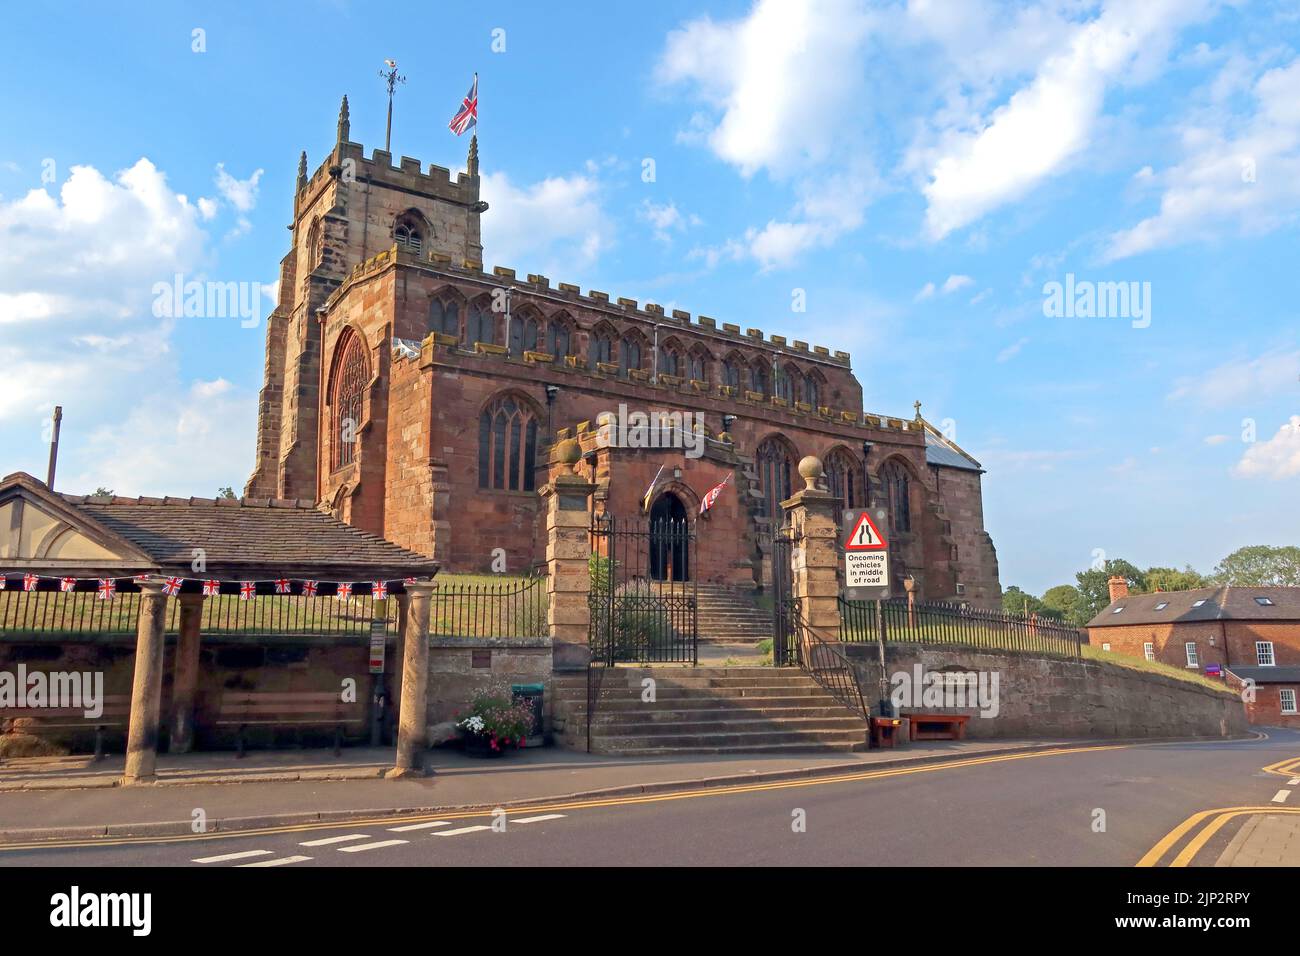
231,856
279,862
338,839
1292,782
357,848
545,816
419,826
1281,795
460,831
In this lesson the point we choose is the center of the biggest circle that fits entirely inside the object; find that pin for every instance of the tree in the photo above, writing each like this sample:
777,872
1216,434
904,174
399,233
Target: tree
1064,600
1260,565
226,492
102,492
1171,579
1094,585
1016,601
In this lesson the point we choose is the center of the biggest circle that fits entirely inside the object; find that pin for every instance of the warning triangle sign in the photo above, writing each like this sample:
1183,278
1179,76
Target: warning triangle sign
865,536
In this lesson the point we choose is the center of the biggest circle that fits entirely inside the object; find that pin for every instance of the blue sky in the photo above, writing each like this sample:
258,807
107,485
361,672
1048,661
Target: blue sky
921,170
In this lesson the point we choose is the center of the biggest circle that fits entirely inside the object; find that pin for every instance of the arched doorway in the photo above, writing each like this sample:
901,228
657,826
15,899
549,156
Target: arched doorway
669,539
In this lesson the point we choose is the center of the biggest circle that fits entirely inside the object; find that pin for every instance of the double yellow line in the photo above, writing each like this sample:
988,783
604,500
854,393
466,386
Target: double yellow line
1218,818
595,803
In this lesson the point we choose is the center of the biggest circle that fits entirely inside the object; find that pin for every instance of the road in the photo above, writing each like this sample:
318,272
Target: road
1107,805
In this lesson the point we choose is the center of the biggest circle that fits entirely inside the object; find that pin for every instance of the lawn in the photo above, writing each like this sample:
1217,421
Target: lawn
1152,667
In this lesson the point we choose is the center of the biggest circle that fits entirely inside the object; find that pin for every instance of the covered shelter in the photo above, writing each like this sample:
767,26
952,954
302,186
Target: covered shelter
107,555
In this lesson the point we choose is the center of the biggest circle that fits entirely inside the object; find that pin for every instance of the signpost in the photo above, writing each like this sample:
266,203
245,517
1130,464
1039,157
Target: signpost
866,575
378,636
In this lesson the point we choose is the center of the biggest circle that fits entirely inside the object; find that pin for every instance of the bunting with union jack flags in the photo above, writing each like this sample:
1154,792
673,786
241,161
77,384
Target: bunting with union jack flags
466,117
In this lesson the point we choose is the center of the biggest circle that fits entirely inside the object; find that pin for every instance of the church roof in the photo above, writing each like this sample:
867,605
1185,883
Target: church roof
945,453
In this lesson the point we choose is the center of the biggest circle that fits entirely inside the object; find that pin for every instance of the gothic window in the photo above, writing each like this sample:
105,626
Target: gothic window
480,325
758,378
898,489
315,247
444,317
785,378
507,446
407,234
629,355
558,337
731,372
843,478
812,391
775,461
601,348
523,334
670,361
697,365
351,372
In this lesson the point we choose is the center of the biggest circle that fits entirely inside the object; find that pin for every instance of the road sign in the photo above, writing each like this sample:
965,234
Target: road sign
866,554
378,636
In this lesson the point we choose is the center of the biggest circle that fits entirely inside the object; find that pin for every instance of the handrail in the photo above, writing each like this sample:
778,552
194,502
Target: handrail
829,667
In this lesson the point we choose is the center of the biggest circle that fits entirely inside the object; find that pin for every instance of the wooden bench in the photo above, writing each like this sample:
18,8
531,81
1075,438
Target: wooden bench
116,714
938,726
296,709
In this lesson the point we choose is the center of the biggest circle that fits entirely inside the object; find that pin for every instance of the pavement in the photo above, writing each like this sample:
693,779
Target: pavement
67,798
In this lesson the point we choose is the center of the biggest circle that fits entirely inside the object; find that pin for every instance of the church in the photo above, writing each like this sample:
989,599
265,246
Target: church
416,396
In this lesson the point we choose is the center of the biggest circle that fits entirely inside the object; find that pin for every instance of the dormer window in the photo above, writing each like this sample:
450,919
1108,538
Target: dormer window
1198,603
1162,605
1264,602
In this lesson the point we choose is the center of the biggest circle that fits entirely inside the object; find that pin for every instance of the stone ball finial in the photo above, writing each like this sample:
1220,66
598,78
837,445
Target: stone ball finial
566,452
810,470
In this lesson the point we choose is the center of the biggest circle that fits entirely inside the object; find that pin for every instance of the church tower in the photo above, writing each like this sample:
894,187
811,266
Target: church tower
350,209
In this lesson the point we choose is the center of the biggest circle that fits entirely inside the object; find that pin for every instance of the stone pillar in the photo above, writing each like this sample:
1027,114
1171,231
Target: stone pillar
815,558
568,551
146,691
413,719
185,679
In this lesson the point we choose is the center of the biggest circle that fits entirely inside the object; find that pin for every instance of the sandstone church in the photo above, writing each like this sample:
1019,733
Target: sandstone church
416,396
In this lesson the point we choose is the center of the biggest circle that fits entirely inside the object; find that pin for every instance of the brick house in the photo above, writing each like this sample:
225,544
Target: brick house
417,394
1247,633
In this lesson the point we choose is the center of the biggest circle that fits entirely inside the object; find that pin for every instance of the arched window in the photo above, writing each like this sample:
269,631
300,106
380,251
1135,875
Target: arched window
812,391
731,372
444,317
844,479
670,358
507,446
600,347
784,387
347,394
758,377
523,334
698,365
480,325
775,461
559,337
629,354
898,489
408,235
315,247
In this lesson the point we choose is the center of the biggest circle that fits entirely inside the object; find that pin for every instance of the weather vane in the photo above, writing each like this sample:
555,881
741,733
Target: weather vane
393,79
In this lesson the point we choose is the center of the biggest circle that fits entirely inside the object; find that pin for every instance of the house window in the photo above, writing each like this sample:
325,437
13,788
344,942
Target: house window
1264,602
775,465
1198,603
1149,651
1287,697
1192,659
507,446
351,373
444,317
1162,605
1106,646
1264,653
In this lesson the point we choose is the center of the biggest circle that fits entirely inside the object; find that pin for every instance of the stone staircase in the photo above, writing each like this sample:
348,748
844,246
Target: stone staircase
730,616
704,710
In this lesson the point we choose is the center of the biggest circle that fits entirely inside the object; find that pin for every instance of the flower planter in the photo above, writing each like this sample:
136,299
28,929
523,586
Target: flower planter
480,745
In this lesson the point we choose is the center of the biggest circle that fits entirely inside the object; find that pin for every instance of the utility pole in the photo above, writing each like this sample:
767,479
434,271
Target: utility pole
54,447
390,75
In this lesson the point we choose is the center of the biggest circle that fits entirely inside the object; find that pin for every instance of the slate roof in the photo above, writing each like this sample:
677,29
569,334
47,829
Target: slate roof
944,453
1219,604
1266,675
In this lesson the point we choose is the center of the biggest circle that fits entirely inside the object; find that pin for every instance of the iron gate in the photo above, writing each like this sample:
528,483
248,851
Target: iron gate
785,608
643,597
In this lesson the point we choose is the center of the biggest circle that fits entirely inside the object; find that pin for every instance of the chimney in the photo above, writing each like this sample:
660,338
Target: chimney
1118,588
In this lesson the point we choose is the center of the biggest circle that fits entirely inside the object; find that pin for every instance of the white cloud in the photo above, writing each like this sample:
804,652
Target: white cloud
926,292
1216,439
1240,380
983,164
1277,458
555,225
1012,350
665,219
240,193
955,282
1244,180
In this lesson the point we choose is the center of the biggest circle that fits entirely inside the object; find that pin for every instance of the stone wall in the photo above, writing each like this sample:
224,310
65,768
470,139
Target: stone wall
1055,697
461,667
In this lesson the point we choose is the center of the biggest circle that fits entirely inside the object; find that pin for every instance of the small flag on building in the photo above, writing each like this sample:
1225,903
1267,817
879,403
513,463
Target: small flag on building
309,588
29,582
713,494
467,116
649,492
107,588
344,591
282,586
378,589
211,588
67,584
172,586
247,590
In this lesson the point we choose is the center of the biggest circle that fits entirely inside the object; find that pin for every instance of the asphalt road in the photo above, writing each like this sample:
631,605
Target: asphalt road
1105,806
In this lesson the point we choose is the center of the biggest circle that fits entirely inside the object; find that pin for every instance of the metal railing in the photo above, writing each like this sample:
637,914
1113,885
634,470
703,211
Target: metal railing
828,666
957,625
514,608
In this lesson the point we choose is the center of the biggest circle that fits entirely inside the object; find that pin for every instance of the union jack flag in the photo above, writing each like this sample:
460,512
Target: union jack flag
467,116
247,590
29,582
408,580
4,582
344,591
211,587
309,588
379,589
713,494
107,588
282,586
67,584
173,586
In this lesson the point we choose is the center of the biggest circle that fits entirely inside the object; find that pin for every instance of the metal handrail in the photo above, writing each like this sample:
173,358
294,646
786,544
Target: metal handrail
829,667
